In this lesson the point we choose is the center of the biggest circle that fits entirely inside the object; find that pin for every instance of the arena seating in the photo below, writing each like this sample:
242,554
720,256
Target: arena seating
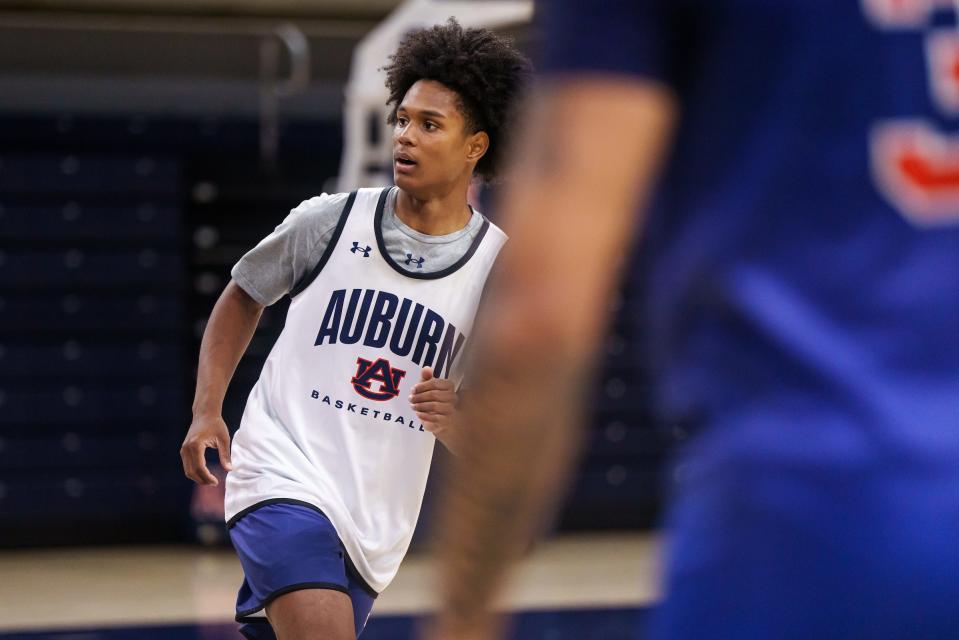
91,279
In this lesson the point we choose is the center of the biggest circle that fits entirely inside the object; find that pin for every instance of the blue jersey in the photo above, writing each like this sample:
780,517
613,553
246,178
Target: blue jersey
804,242
801,281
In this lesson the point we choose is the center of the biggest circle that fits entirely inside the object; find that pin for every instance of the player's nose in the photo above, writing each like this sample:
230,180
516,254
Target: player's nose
404,135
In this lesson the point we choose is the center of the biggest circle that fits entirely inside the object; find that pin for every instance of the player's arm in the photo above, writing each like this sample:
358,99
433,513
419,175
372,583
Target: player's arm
592,150
225,340
270,270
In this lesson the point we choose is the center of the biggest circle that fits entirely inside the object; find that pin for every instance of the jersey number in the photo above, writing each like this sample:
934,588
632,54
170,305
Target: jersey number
915,165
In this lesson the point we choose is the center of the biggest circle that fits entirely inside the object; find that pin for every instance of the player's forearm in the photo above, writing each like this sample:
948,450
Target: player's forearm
451,435
512,465
589,158
226,337
451,440
533,365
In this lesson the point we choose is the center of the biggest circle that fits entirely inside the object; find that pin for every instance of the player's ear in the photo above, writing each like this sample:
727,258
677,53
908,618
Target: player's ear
476,146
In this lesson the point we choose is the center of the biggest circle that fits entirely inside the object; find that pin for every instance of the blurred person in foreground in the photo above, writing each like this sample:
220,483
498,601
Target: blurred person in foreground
789,165
329,465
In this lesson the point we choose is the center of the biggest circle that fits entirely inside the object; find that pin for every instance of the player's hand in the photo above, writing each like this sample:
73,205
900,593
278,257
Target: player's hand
205,432
434,402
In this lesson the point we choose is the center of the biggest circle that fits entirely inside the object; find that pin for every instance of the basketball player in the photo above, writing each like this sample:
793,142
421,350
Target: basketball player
801,264
330,462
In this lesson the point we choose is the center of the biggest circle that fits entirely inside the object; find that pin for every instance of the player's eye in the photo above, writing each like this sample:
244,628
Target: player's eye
429,126
401,121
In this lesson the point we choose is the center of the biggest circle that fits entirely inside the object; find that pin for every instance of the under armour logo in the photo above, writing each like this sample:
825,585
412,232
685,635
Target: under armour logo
418,263
357,247
368,372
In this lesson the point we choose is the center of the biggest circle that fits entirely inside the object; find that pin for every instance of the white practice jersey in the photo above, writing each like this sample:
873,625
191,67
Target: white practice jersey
329,422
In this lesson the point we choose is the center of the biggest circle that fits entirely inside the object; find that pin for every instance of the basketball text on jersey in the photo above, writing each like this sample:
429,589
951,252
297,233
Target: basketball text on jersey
380,319
362,410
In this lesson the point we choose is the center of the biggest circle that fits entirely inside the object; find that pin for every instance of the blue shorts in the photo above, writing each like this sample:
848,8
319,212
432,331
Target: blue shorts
287,545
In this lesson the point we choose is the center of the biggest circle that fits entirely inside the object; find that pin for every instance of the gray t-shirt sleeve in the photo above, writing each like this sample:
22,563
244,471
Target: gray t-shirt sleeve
273,267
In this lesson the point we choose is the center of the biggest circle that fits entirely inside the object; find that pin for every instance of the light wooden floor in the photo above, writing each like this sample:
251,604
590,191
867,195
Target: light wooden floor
107,587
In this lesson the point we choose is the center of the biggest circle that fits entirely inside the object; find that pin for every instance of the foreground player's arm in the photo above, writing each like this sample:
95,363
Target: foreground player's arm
225,340
592,150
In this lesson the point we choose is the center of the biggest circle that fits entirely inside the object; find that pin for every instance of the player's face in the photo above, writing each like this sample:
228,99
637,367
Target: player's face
433,151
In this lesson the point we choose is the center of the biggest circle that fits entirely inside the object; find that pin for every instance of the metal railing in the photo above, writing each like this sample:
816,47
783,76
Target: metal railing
276,37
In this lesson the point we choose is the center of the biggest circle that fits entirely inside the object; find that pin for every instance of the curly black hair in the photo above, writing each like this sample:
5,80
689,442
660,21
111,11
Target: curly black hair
486,72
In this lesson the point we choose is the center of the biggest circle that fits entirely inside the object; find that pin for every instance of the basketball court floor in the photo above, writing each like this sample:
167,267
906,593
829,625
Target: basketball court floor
594,587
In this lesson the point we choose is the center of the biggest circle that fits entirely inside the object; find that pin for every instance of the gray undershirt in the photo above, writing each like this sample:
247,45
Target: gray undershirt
285,257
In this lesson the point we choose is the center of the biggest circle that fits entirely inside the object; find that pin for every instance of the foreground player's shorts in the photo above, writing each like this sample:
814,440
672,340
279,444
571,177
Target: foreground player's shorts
285,546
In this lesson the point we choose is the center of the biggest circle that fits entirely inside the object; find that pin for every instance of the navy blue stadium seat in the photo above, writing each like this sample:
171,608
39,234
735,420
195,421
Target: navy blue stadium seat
87,401
77,450
73,220
98,310
85,357
130,504
88,174
77,266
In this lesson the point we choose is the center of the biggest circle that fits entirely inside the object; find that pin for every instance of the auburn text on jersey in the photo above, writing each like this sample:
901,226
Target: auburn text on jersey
379,319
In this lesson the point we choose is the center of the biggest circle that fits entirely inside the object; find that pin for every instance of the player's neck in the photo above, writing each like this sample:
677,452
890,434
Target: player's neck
434,216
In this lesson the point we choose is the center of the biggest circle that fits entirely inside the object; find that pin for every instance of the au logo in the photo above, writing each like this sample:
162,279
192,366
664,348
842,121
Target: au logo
381,372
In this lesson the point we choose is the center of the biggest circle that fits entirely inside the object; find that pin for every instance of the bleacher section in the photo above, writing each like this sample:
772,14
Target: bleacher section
91,279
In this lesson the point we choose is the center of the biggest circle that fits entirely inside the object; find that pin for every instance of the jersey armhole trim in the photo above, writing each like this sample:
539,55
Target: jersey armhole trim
308,280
